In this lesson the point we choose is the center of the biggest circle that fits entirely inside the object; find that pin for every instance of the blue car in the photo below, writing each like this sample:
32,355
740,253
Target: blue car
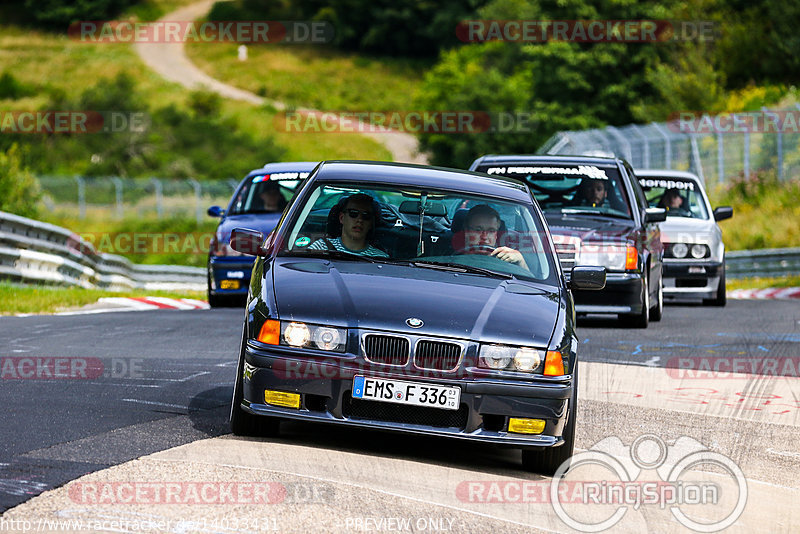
258,204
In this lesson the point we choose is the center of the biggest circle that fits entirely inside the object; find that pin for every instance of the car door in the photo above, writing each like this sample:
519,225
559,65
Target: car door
652,232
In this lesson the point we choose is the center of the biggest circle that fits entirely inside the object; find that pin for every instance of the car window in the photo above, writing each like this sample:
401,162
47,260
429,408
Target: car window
568,188
682,197
444,234
254,194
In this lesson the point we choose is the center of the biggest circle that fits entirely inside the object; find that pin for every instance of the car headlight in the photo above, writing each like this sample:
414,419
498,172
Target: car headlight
220,247
615,257
680,250
502,357
699,251
302,335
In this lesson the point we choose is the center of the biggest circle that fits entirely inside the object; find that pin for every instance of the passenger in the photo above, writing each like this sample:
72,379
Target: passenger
357,219
271,198
481,230
593,193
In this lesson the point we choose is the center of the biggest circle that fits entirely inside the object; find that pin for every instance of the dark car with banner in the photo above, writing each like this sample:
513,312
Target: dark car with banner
694,253
257,203
414,299
598,215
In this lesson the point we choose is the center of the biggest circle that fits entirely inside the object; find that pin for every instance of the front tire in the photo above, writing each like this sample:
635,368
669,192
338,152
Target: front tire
658,310
641,319
547,461
722,296
244,423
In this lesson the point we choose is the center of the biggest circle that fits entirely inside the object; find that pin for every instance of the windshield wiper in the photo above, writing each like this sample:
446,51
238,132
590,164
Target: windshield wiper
459,267
342,255
577,211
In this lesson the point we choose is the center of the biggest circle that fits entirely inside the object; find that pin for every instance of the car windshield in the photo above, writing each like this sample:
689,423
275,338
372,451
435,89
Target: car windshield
682,197
266,193
570,189
422,228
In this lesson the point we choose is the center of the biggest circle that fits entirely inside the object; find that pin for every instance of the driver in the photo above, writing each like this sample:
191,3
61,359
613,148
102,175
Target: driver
593,192
480,231
357,218
672,200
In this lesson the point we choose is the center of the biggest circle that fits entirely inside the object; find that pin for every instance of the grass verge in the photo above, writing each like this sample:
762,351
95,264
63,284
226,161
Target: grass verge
762,283
20,298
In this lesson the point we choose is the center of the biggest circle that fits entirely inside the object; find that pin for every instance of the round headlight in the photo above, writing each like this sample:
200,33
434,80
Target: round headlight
327,338
527,360
680,250
296,334
495,357
698,251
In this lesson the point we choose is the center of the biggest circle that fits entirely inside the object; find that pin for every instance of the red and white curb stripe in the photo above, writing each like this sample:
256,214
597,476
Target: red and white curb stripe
769,293
155,303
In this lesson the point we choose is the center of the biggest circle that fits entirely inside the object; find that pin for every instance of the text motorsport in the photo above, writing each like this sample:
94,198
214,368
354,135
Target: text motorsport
415,122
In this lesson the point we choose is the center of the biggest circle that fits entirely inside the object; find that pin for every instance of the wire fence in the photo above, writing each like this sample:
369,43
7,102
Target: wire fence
113,197
715,147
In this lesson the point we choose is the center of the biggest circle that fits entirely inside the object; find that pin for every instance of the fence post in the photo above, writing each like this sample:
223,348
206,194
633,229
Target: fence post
159,190
198,211
667,144
695,158
118,191
233,183
645,146
746,155
624,143
720,158
81,196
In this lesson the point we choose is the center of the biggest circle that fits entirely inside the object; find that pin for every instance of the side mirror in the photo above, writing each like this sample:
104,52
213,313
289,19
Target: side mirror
723,212
655,215
215,211
248,242
587,278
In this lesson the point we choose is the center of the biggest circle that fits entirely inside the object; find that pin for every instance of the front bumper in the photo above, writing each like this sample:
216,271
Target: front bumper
622,294
691,278
227,271
325,386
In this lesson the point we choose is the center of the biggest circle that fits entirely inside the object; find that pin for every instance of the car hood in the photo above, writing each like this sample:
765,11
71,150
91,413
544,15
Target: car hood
685,229
262,222
590,228
382,297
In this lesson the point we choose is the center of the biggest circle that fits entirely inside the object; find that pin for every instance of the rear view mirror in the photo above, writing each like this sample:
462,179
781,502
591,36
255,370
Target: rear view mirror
248,241
432,209
723,212
587,278
655,215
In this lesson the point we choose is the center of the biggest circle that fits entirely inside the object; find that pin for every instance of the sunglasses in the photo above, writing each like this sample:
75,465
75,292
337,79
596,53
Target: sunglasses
354,213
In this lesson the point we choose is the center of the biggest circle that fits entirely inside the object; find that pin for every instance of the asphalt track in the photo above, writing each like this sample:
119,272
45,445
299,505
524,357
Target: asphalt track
136,383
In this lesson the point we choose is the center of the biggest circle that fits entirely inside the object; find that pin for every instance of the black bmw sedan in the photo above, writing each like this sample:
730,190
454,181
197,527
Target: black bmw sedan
413,299
598,215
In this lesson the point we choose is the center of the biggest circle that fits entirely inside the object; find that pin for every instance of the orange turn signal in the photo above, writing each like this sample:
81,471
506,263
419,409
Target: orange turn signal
270,332
631,258
553,364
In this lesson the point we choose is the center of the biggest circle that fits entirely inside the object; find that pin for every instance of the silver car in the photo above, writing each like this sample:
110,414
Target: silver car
694,254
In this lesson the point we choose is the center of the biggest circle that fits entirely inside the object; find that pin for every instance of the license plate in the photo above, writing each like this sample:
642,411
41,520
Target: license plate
229,284
402,392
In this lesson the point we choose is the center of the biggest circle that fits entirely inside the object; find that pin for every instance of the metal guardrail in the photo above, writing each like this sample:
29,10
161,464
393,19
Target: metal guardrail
33,251
769,262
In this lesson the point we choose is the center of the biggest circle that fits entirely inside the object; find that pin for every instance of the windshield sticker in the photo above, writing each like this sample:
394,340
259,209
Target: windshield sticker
590,171
667,184
302,241
281,176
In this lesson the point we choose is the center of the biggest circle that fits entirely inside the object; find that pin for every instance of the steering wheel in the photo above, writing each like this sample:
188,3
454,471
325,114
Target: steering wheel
485,250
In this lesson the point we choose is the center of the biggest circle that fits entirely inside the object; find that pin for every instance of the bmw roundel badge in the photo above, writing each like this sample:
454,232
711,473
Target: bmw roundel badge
413,322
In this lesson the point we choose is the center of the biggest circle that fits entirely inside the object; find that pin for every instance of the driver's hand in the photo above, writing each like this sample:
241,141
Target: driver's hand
510,255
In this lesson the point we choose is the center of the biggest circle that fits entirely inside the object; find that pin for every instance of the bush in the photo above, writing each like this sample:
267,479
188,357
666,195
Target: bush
20,189
11,88
61,13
